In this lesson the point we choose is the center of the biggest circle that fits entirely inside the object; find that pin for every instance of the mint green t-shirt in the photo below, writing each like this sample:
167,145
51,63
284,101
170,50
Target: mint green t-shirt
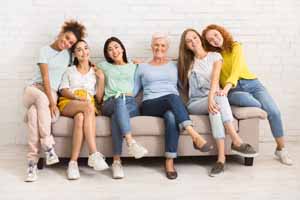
57,62
119,79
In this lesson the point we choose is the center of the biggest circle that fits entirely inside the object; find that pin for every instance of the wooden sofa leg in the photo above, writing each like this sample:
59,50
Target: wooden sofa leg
41,163
249,161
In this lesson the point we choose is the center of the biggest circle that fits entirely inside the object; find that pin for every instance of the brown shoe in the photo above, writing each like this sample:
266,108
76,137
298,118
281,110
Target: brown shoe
217,169
244,149
171,175
204,148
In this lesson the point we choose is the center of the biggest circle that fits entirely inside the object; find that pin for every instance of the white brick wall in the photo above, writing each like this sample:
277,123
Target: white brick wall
268,29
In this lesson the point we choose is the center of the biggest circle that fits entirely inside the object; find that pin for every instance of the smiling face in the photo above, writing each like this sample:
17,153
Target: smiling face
82,51
115,51
66,40
159,48
193,41
214,38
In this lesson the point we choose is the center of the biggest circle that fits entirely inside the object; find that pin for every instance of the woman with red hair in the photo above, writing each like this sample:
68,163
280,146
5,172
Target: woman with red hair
242,86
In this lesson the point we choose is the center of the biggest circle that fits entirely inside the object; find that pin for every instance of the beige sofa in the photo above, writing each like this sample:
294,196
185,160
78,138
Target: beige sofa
149,131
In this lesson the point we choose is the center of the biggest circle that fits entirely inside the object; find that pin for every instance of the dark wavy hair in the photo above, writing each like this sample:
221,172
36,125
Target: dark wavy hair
105,49
75,61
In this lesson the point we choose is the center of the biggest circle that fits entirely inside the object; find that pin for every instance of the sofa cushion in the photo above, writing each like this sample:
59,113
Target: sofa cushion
63,127
248,112
147,125
141,125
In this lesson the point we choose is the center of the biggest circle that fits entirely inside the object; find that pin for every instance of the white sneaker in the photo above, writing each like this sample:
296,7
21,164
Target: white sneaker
283,157
73,171
117,170
51,157
97,161
31,172
136,150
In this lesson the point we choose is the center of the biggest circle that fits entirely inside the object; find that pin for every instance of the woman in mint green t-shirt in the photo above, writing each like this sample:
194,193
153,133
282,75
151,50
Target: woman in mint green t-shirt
40,95
119,104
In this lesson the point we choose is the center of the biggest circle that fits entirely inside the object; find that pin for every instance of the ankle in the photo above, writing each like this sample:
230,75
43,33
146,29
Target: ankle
237,142
198,137
117,161
221,160
128,138
116,158
130,142
93,153
169,164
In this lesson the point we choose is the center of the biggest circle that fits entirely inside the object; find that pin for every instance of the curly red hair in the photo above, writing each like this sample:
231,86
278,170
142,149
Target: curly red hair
227,37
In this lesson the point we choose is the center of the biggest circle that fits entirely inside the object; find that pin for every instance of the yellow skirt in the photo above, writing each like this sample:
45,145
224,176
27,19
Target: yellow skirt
63,101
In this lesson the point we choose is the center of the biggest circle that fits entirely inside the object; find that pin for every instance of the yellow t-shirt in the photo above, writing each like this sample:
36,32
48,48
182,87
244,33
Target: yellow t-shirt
234,66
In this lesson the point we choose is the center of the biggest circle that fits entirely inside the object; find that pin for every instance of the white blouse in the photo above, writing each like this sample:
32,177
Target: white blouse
73,80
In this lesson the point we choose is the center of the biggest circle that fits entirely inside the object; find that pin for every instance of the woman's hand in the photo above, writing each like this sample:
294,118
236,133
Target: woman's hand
225,90
222,93
53,109
79,98
213,107
99,73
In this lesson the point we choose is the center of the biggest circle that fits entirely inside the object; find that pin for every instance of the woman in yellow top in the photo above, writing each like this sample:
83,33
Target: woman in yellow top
242,87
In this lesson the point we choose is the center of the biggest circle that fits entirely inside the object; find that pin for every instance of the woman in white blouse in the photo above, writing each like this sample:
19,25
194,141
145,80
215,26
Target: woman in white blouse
79,85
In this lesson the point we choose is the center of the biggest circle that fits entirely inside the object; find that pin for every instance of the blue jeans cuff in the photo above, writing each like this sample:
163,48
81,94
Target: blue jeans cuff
278,135
125,131
219,137
170,154
227,121
184,124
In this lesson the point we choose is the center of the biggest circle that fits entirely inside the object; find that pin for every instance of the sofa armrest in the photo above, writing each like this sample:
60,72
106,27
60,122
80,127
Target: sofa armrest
248,112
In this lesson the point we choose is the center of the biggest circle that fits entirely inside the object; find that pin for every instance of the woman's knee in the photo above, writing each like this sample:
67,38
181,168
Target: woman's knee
223,102
32,114
78,119
89,108
221,99
42,100
175,100
273,112
244,99
174,97
169,117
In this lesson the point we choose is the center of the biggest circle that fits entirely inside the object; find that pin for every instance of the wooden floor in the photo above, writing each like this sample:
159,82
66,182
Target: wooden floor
267,179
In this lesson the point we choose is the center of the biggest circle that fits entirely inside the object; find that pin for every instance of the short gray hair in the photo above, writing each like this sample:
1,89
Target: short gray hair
160,35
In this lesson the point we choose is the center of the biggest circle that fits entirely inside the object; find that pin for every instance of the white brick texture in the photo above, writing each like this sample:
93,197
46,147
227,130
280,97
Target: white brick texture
268,29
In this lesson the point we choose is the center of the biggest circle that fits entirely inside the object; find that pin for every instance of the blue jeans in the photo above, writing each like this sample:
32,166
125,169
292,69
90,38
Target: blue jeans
175,115
251,93
120,110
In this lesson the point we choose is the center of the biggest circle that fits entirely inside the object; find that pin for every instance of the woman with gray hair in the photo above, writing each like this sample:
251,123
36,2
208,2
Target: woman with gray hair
158,79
